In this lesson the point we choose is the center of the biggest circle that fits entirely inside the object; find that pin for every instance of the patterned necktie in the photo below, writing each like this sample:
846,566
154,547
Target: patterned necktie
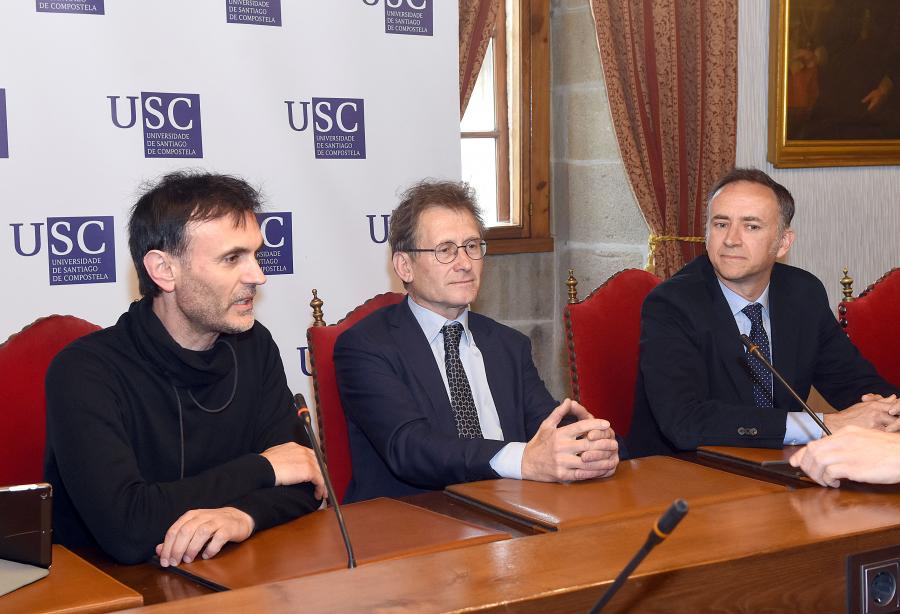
464,412
762,378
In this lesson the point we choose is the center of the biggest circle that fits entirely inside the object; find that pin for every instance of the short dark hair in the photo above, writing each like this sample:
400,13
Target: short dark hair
159,217
456,195
754,175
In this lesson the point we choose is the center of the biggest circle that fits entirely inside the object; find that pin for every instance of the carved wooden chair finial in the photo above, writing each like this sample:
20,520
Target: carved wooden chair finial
316,304
847,282
572,283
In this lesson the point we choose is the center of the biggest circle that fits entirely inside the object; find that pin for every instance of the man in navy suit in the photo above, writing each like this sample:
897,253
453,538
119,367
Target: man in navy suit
436,394
696,384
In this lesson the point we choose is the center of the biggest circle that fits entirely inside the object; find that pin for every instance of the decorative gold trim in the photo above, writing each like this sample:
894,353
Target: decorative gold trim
316,304
847,283
842,308
653,243
570,346
572,284
784,153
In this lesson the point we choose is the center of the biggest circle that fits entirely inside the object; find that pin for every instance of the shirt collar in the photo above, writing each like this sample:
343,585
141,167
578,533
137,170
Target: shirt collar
736,302
432,323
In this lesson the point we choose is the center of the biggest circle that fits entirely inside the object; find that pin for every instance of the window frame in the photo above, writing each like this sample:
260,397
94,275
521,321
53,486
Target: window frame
500,135
526,195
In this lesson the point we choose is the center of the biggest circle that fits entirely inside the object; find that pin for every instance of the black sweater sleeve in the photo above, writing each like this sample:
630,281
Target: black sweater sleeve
277,423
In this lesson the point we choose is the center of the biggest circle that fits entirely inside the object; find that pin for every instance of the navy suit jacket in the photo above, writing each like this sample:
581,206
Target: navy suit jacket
402,433
694,386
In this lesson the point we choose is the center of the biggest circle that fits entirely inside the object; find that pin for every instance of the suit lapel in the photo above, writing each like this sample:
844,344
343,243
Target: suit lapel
728,339
418,359
785,338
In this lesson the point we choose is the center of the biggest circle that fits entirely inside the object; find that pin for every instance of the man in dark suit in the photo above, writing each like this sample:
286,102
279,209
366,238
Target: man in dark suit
696,384
435,394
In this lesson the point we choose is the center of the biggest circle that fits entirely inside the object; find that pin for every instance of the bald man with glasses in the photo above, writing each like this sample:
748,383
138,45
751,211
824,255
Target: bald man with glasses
436,394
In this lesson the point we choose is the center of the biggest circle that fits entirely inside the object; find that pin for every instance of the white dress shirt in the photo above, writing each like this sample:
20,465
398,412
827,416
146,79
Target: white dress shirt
508,461
800,428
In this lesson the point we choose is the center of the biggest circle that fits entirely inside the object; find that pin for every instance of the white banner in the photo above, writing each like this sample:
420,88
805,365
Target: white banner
329,106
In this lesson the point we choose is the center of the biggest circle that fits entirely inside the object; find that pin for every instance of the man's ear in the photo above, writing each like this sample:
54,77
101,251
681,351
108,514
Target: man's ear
161,268
787,239
403,266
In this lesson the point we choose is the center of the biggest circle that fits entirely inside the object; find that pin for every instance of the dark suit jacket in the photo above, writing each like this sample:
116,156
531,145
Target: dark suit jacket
403,437
694,386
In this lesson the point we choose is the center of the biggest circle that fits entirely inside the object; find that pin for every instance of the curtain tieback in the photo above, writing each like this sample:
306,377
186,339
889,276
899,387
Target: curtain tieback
655,240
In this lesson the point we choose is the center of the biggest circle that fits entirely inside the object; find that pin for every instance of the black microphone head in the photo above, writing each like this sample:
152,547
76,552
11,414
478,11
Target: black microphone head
747,343
303,414
300,401
673,516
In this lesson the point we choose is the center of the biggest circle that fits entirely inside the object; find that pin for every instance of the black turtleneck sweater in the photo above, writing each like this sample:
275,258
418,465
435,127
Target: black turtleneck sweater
134,441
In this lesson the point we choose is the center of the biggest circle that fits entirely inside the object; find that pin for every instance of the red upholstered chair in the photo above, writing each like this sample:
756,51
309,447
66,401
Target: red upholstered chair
329,412
871,322
24,359
602,333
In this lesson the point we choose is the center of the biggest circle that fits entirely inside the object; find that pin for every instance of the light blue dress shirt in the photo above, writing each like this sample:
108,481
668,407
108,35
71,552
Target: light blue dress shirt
800,428
508,461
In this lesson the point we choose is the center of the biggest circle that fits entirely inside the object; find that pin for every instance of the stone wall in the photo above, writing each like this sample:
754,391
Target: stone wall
597,226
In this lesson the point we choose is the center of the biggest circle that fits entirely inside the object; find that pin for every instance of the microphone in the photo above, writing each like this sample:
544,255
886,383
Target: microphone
753,349
303,414
661,530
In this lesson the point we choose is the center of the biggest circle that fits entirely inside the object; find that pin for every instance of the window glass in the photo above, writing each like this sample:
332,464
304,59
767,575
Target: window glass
479,116
479,168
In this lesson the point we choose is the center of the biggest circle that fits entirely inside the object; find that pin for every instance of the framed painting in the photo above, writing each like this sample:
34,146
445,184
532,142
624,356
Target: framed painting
834,83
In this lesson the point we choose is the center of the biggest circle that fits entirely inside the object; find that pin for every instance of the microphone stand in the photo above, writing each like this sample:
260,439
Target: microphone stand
661,530
753,349
303,414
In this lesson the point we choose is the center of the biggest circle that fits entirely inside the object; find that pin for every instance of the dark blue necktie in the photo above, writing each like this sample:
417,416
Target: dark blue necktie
762,378
464,411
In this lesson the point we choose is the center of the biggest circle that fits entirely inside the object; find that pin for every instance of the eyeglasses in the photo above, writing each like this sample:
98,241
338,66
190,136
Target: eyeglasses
446,252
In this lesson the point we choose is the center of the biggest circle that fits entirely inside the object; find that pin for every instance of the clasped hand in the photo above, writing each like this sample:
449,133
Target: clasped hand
872,412
579,451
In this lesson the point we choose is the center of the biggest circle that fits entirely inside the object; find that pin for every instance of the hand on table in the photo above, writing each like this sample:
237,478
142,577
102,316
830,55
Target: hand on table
859,454
203,532
872,412
579,451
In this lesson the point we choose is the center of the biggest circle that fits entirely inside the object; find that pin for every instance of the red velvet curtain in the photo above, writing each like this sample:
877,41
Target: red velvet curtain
671,75
476,26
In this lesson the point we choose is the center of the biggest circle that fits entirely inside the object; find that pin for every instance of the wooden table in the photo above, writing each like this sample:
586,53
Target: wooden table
380,529
744,546
291,551
153,583
779,552
641,486
456,507
73,585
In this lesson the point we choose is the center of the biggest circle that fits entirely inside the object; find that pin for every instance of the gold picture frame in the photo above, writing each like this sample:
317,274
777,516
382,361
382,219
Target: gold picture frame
822,111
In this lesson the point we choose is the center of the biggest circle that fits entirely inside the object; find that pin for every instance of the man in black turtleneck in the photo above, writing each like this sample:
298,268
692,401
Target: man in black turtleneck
173,430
